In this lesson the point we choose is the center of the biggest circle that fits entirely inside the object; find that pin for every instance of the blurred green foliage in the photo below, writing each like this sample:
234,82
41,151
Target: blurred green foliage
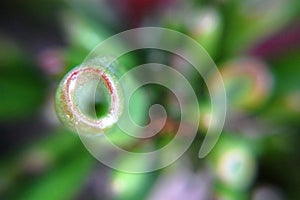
21,86
49,162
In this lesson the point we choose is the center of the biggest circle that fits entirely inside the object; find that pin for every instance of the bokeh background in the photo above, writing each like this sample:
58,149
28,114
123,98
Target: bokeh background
256,46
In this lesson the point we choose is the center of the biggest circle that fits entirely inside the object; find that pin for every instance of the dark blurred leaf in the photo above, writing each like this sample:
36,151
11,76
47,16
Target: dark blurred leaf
21,87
